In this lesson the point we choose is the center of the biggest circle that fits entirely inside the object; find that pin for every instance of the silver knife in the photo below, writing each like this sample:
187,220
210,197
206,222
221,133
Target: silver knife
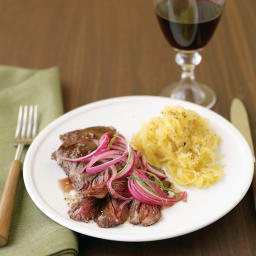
239,119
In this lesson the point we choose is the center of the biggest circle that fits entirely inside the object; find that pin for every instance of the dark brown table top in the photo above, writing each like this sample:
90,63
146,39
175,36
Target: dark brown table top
109,48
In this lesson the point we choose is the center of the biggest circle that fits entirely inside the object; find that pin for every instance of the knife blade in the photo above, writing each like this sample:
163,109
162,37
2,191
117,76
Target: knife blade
240,120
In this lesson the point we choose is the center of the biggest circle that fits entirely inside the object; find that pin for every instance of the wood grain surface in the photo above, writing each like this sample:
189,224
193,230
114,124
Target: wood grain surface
109,48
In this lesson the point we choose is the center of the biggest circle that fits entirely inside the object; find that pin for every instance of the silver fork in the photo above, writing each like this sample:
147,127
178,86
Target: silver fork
25,133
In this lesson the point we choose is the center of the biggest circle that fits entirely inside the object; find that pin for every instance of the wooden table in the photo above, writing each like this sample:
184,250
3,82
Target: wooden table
109,48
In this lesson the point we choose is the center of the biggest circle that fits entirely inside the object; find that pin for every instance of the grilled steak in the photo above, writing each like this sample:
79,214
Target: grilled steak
80,136
144,214
134,217
94,201
120,186
149,214
73,170
76,144
84,210
112,213
98,185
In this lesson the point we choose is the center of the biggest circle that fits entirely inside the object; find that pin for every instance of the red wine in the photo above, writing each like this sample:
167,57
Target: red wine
188,25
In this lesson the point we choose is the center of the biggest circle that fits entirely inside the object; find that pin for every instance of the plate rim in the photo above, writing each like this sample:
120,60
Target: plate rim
98,234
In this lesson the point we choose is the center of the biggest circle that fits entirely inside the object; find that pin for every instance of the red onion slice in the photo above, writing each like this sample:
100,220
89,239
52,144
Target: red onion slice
103,155
137,194
158,199
129,165
152,169
143,194
103,142
153,186
110,188
101,167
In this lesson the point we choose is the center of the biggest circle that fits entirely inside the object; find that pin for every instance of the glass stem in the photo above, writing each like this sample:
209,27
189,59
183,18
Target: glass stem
188,89
188,61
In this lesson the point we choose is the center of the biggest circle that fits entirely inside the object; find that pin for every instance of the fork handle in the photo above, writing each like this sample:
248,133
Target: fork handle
8,199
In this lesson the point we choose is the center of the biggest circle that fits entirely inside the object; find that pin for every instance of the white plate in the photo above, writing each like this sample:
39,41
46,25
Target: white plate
126,114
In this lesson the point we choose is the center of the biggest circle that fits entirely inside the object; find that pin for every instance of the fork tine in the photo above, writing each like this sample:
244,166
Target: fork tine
18,129
35,121
30,122
24,123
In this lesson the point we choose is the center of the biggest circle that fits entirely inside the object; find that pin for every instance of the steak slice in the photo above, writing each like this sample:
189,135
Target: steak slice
149,214
73,170
83,135
76,144
121,187
144,214
134,217
112,213
84,210
98,186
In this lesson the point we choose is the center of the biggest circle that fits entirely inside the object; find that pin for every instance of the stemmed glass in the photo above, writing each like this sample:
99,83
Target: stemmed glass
188,25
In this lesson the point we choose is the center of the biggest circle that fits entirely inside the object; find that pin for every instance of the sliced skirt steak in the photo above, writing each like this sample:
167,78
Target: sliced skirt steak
94,201
144,214
76,144
112,213
84,210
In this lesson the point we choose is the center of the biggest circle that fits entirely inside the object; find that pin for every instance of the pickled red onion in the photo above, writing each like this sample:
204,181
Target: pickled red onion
144,185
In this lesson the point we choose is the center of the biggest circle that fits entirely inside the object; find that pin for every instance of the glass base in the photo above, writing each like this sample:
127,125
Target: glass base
196,93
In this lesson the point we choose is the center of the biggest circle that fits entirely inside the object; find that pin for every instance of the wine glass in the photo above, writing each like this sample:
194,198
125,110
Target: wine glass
188,25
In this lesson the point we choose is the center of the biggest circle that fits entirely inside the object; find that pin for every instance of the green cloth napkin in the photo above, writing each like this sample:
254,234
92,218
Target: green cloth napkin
32,232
